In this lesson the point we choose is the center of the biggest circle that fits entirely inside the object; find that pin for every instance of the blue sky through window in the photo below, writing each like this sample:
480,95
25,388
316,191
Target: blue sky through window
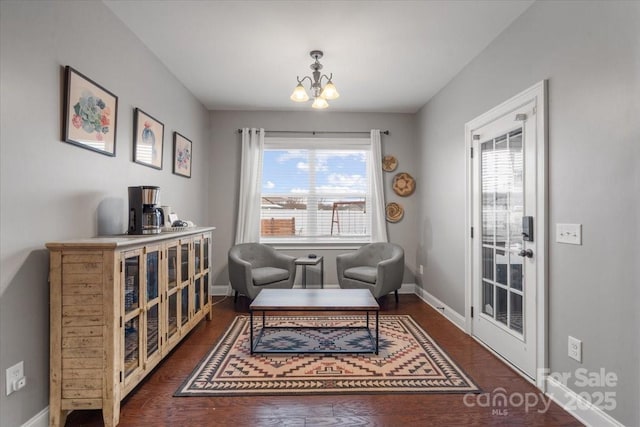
337,172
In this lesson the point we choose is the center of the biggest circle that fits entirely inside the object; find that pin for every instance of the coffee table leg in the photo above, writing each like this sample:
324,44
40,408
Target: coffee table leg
251,331
377,330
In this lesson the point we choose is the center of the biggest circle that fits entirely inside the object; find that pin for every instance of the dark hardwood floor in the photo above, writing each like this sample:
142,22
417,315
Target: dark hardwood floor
153,404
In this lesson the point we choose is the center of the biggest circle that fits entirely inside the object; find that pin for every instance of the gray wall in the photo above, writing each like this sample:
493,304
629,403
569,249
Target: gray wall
590,53
51,190
225,171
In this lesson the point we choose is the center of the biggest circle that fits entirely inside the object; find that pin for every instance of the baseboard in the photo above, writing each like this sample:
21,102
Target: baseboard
442,308
41,419
578,407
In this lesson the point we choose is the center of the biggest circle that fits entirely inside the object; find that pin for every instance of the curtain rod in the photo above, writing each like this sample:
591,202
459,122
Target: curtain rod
318,132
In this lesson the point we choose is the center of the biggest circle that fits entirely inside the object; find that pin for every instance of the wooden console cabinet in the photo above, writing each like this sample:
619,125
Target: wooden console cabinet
118,306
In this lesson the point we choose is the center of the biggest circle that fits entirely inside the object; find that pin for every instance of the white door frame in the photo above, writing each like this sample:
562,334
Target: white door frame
537,93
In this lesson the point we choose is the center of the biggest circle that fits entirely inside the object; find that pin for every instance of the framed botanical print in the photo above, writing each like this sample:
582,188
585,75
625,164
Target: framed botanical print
182,153
90,114
148,139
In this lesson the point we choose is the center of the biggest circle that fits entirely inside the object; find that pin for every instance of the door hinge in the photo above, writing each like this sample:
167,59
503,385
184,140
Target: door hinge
472,152
121,321
120,376
472,232
472,312
121,266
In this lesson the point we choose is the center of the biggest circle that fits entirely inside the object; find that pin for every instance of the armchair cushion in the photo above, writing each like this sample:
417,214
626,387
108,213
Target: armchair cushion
266,275
364,274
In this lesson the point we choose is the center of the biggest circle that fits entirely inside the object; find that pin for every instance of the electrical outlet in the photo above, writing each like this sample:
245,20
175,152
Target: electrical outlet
575,348
421,270
15,379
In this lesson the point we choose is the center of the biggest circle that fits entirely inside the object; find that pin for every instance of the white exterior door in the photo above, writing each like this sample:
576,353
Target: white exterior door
508,233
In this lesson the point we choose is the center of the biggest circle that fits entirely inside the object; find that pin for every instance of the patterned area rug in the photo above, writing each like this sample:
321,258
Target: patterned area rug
409,361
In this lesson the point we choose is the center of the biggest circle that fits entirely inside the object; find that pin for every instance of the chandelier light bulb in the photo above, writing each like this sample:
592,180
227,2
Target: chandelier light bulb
320,103
330,92
299,94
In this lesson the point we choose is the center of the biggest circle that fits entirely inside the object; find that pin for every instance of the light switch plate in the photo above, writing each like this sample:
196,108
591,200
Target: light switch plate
569,233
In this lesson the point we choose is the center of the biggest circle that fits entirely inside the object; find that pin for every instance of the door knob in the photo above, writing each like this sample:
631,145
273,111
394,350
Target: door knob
526,253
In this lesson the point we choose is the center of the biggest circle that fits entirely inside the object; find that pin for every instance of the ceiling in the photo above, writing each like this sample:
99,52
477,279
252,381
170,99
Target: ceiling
385,56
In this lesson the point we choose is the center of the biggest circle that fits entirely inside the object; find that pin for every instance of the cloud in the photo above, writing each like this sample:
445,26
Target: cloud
269,185
347,180
322,157
292,154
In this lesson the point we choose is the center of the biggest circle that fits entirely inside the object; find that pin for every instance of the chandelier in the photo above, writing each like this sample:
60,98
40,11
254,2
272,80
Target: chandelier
320,94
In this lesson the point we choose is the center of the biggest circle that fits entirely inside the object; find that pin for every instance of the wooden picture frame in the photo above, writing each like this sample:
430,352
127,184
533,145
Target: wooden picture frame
90,114
182,155
148,139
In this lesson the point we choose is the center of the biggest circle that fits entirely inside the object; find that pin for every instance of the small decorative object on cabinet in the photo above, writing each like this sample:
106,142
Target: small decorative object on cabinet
118,306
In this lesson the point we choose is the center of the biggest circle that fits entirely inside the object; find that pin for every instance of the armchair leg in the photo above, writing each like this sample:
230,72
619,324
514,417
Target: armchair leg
235,297
396,296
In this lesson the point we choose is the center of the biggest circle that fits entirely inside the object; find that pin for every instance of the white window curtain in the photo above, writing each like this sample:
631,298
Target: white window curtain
248,224
376,184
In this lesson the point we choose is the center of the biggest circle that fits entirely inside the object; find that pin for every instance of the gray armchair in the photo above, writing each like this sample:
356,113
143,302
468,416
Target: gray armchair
378,267
254,266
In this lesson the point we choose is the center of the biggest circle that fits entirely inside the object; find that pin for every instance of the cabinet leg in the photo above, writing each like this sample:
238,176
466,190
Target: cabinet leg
210,312
57,417
111,414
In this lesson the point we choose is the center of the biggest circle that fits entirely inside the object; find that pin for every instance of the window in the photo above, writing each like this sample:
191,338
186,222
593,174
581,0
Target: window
315,191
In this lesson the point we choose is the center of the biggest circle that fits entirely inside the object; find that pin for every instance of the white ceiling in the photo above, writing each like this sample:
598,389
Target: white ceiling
385,56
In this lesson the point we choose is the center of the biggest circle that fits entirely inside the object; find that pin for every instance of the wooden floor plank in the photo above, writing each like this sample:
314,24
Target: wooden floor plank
152,402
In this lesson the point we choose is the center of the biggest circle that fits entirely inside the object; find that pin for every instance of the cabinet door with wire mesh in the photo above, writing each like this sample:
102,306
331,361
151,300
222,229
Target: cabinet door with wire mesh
153,297
132,324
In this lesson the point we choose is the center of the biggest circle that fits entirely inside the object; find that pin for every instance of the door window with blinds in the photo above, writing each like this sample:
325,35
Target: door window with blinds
315,190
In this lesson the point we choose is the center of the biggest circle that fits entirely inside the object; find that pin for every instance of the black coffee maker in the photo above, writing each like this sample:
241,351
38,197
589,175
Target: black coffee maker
145,216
